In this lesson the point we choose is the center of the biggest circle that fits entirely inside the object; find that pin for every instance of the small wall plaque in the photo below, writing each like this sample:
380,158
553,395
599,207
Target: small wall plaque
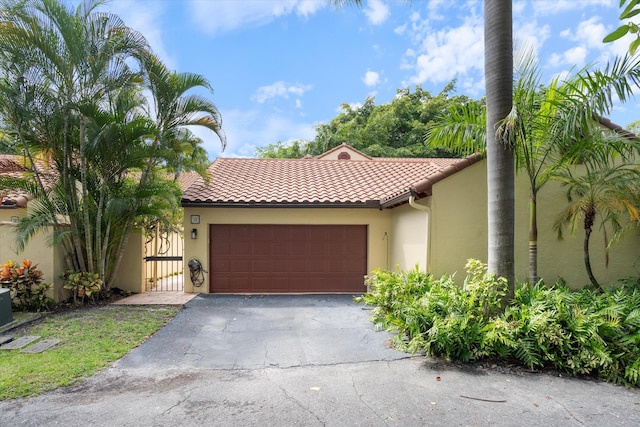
195,219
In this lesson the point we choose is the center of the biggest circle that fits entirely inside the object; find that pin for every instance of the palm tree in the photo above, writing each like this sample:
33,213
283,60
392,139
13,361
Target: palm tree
463,130
498,70
600,191
175,110
498,36
545,124
71,86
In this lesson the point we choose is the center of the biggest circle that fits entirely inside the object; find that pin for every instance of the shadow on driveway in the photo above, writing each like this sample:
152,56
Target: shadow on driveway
253,332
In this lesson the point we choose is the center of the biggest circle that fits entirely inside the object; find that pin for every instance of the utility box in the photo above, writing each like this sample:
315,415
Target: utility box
6,316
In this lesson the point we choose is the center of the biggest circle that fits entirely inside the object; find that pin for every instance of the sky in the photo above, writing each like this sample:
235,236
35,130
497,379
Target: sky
280,68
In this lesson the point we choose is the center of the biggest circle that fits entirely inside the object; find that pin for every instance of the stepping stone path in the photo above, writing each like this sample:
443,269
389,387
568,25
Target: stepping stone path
7,342
18,343
5,338
41,346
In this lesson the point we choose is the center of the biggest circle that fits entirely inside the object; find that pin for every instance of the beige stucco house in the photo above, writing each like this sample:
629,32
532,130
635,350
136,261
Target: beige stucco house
320,224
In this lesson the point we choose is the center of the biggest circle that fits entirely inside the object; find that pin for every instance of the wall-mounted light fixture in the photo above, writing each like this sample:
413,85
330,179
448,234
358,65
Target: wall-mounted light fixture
194,233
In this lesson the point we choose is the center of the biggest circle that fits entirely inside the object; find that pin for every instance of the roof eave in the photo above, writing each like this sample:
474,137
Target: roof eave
369,204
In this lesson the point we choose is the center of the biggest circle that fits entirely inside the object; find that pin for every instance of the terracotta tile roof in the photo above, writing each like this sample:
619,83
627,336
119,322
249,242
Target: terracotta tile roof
12,166
305,181
185,179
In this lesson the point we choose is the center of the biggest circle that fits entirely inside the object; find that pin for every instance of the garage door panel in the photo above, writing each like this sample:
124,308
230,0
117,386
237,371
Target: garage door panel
279,266
298,266
288,258
259,266
317,266
262,249
221,265
280,250
240,266
240,248
317,250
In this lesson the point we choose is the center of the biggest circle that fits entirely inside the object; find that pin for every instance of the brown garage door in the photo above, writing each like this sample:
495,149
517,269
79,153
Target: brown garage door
287,258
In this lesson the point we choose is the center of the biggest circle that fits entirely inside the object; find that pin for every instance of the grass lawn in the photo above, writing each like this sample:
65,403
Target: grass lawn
91,338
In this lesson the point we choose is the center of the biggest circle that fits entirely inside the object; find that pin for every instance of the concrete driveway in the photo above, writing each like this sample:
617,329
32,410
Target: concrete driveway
308,361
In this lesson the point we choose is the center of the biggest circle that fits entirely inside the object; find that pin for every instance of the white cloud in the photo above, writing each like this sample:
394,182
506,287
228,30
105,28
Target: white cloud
352,105
371,78
147,21
247,130
376,11
448,53
226,15
401,29
576,55
588,46
518,7
555,60
278,89
529,35
590,32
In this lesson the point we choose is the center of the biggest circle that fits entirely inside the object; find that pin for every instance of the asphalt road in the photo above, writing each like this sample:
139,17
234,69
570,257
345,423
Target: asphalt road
311,361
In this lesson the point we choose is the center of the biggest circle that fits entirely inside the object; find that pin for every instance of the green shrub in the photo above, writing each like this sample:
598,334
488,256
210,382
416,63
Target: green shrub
28,293
82,284
580,332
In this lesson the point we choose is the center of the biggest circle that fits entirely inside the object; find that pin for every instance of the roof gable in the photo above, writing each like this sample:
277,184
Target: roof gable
343,152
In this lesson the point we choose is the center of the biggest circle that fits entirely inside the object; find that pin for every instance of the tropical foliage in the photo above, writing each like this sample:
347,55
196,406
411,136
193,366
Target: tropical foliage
631,9
548,126
84,93
26,287
395,129
579,332
603,192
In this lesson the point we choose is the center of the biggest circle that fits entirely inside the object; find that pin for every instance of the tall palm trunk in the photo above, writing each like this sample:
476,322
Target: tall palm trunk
589,219
498,40
533,238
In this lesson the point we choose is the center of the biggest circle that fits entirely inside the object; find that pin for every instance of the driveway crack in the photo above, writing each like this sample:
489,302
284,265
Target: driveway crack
298,402
567,410
371,408
179,402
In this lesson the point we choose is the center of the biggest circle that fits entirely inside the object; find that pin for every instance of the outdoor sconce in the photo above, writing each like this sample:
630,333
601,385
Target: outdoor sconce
194,233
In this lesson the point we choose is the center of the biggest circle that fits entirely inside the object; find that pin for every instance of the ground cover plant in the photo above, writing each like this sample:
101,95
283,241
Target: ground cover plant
90,339
581,332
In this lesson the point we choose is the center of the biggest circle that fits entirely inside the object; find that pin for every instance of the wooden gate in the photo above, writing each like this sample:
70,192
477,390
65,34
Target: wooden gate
163,261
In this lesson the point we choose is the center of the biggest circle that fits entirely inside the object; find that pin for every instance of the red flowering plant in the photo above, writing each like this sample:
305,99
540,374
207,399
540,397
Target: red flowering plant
28,293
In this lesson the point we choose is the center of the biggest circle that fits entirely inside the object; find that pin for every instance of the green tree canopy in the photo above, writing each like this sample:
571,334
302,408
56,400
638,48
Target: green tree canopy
395,129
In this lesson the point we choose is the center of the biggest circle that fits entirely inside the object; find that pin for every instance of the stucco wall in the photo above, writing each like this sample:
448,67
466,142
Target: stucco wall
459,227
130,275
49,260
378,222
459,208
409,236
